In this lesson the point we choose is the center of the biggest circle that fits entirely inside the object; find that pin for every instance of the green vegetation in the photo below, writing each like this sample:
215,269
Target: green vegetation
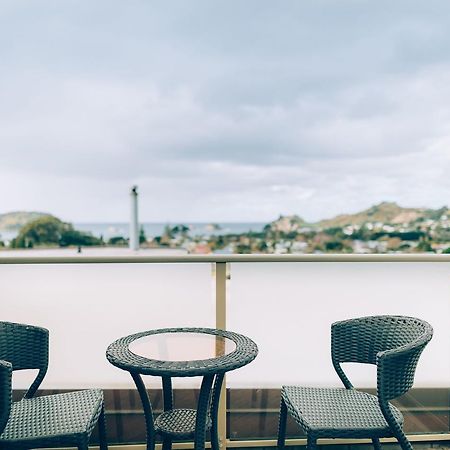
50,231
383,228
142,236
118,241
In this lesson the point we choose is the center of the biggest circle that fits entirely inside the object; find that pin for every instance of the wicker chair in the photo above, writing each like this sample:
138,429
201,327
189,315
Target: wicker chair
60,420
394,344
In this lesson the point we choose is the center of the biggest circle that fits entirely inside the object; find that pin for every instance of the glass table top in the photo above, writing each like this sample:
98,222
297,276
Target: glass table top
182,346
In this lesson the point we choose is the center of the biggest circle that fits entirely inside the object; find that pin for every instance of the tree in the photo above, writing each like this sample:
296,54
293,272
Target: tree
45,230
336,232
70,236
334,246
142,236
243,249
424,246
49,230
117,240
262,247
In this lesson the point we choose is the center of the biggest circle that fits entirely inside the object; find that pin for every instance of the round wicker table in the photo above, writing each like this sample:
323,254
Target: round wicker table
182,352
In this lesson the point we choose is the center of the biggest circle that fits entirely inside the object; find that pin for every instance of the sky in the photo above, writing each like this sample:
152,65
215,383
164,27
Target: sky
223,110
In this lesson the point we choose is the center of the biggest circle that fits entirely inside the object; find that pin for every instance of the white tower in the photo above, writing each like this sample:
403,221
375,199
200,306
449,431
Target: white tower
134,224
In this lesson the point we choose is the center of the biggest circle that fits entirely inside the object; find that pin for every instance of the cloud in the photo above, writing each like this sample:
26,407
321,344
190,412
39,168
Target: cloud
237,111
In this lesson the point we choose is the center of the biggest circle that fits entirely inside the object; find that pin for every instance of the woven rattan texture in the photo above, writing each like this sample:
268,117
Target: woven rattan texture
178,423
24,346
50,421
360,340
337,412
394,344
119,355
5,392
61,419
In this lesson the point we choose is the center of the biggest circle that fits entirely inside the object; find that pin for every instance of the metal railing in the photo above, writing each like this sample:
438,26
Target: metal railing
221,272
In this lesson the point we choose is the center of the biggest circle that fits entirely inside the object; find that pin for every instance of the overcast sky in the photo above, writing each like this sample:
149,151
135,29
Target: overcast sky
223,110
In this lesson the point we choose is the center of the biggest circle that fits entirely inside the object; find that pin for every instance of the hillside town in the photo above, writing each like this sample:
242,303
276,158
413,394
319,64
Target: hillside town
383,228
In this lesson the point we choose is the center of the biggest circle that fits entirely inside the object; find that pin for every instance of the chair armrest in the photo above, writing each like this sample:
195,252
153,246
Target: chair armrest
5,393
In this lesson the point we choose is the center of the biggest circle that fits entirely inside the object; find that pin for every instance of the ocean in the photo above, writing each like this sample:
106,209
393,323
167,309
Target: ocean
108,230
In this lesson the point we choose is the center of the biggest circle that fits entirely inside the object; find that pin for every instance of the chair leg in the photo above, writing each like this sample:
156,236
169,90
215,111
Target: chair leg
282,426
402,440
167,444
397,430
376,444
102,429
311,443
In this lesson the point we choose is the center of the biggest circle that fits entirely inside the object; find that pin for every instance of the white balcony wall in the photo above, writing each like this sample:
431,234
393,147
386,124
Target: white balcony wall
86,307
288,309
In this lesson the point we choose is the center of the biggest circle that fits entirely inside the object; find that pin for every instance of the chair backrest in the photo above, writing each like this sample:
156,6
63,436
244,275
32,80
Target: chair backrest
25,347
5,393
393,343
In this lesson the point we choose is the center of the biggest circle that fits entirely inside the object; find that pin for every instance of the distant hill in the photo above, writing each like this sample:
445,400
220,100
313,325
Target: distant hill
385,212
13,221
286,224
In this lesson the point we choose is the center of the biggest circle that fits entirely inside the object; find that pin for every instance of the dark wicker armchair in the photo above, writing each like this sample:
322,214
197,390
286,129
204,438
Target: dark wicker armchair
61,420
394,344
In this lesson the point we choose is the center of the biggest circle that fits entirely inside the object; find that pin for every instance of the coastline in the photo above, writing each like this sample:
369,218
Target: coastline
90,251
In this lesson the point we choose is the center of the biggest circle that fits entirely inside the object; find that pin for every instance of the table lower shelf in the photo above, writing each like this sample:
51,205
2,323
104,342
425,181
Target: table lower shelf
178,423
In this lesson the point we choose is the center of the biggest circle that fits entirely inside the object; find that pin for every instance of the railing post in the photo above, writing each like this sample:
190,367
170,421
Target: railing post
221,323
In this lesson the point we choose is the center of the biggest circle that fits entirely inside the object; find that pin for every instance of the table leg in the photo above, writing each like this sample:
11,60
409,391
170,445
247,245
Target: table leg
215,445
148,413
167,393
202,412
168,405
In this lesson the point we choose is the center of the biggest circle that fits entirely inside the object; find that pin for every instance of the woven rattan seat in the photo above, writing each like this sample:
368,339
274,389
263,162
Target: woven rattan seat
52,421
178,423
346,411
394,344
49,417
